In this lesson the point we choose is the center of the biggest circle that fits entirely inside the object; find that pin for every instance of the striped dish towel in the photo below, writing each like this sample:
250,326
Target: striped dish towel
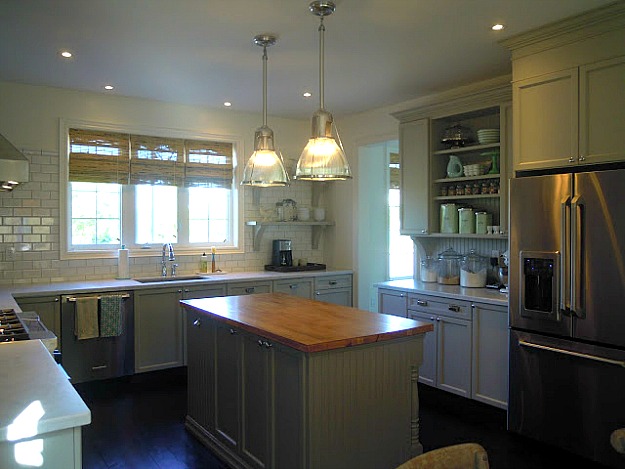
111,312
86,326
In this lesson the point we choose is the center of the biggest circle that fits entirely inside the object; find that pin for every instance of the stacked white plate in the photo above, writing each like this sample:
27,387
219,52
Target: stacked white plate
485,136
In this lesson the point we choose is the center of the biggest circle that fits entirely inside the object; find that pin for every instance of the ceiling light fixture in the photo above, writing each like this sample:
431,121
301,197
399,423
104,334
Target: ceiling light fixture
264,168
322,159
497,27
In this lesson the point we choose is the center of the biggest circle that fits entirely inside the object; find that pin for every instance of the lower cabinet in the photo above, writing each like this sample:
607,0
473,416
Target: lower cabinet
393,302
489,382
467,353
447,350
302,287
48,308
235,381
335,289
248,288
159,341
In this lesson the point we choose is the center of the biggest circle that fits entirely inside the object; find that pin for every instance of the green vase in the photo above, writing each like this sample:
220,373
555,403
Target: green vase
494,167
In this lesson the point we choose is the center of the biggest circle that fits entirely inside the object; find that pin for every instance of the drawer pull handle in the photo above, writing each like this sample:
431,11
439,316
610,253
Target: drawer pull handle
422,302
454,308
186,290
197,323
249,290
98,368
332,282
293,287
267,345
260,343
233,331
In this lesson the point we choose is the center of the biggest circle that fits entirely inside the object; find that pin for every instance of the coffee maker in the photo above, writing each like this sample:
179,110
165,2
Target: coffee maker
282,253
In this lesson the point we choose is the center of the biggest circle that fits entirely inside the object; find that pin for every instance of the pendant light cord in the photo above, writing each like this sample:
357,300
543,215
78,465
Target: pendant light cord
265,86
322,30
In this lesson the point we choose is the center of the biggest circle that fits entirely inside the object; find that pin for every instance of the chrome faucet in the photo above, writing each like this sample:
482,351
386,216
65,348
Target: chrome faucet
168,254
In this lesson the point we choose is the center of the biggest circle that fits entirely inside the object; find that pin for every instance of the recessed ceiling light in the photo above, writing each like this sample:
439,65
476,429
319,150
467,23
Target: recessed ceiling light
65,54
108,87
307,94
497,27
227,104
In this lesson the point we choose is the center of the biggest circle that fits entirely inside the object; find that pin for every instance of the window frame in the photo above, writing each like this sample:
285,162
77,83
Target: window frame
237,225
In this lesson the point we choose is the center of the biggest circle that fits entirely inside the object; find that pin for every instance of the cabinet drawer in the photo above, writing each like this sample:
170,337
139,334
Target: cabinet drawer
248,288
333,281
297,286
441,306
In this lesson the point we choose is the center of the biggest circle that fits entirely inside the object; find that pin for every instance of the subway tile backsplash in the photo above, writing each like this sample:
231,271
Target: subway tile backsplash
30,233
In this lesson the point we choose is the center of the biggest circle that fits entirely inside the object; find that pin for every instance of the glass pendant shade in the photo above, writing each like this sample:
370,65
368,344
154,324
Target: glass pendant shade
265,167
323,159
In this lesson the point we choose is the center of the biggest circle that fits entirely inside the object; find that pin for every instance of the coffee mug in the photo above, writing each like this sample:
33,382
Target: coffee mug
319,214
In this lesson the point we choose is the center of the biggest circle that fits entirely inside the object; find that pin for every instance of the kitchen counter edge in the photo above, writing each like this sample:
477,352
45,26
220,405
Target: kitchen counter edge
476,295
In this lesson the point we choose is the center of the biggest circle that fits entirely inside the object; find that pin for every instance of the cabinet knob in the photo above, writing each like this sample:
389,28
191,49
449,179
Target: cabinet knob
233,331
267,344
179,291
454,308
197,323
582,158
422,303
572,159
186,290
424,231
317,293
402,295
431,318
260,343
438,319
56,300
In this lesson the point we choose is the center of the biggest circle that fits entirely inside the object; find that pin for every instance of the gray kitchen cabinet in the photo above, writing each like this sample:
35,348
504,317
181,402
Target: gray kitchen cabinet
235,380
302,287
489,382
568,100
393,302
49,310
248,288
159,341
414,157
448,365
335,289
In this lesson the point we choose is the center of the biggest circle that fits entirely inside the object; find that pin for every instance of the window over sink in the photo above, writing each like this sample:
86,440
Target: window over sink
123,187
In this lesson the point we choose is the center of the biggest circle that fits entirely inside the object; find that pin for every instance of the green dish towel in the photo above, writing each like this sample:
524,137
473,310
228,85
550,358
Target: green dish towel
111,316
86,326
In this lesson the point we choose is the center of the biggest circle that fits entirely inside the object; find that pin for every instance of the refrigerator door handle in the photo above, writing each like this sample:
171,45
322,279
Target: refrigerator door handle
564,257
577,207
596,358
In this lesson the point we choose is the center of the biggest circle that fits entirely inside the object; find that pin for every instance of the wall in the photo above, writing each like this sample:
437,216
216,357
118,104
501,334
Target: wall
29,216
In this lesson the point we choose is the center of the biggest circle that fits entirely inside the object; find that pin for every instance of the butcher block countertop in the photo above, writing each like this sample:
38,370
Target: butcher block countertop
306,325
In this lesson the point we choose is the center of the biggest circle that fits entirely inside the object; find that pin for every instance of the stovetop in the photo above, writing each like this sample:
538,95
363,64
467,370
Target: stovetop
11,328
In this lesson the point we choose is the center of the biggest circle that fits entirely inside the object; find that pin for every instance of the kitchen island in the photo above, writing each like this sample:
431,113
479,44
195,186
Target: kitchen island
281,381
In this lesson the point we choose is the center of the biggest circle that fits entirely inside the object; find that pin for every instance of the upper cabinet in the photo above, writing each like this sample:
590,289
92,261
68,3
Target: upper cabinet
569,91
471,173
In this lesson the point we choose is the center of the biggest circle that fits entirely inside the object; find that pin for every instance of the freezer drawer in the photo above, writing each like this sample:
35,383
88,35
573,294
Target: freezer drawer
567,394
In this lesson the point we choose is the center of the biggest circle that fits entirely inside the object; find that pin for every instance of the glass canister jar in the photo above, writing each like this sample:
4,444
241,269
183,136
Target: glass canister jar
449,267
289,206
473,270
429,269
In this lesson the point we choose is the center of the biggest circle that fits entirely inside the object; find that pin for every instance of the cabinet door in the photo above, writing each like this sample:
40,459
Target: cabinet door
427,370
201,291
255,410
545,121
392,302
414,147
490,355
227,385
158,329
454,355
200,369
338,296
602,111
298,287
49,310
248,288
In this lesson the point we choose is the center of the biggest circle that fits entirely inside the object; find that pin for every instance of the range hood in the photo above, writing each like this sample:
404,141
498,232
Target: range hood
13,166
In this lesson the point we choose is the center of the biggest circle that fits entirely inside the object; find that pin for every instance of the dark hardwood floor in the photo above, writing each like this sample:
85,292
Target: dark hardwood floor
138,422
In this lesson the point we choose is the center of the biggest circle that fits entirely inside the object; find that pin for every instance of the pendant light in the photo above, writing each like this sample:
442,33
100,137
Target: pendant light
265,167
322,159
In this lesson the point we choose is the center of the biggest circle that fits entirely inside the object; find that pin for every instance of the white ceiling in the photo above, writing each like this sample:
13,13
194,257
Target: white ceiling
200,52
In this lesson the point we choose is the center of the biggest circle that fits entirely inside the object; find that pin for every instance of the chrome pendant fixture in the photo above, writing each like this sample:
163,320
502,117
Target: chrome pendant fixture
323,159
265,167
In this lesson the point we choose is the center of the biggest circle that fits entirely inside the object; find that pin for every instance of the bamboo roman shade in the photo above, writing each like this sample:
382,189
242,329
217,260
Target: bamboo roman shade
139,159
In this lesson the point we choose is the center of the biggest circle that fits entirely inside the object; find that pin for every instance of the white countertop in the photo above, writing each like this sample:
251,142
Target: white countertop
87,286
478,295
29,375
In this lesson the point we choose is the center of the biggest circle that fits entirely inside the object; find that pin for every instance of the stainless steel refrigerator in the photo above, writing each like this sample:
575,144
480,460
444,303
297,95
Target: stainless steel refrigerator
567,311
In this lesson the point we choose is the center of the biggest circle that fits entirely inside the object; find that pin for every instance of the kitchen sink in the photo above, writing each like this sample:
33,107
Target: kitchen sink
178,278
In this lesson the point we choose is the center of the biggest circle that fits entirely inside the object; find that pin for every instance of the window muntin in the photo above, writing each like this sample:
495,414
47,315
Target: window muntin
172,190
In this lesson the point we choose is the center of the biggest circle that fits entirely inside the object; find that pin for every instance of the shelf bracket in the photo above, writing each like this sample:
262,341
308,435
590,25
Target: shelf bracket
316,235
259,230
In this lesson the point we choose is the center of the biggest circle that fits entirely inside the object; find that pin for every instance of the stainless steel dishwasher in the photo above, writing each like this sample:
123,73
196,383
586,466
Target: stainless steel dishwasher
101,357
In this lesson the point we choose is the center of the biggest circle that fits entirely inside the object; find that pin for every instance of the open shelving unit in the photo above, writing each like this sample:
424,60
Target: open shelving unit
259,229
